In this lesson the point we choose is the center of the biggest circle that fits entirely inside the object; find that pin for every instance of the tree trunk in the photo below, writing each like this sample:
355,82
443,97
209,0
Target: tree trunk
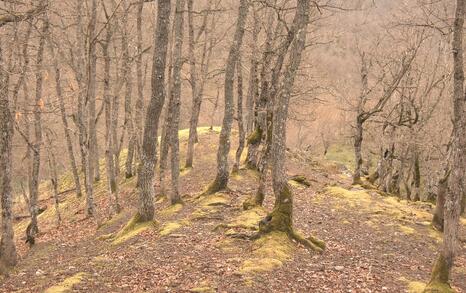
66,129
165,144
197,99
175,100
438,218
8,256
241,134
91,100
129,122
200,81
140,81
221,179
358,137
281,218
109,149
253,86
52,162
442,267
149,147
36,156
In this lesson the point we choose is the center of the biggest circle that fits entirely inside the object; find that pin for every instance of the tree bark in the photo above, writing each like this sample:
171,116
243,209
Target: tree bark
36,156
239,105
140,81
52,162
199,80
222,177
129,119
281,218
8,256
197,99
92,136
452,209
175,97
66,128
149,147
109,149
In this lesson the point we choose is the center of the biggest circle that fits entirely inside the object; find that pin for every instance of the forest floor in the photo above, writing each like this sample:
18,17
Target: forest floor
374,243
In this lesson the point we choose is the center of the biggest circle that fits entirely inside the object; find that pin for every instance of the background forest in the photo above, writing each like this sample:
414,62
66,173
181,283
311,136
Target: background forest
193,146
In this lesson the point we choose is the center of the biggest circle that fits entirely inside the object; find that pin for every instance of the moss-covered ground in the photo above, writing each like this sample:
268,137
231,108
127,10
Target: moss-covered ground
374,243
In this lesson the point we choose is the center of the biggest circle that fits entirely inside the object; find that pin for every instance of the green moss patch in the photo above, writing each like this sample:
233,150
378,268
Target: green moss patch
209,204
270,252
171,210
228,245
133,228
203,287
248,219
184,133
170,227
67,284
342,154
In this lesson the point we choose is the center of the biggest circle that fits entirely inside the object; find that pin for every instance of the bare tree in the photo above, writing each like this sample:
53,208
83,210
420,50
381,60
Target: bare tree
175,101
363,114
239,117
109,148
149,147
91,149
222,177
281,218
440,277
37,146
8,256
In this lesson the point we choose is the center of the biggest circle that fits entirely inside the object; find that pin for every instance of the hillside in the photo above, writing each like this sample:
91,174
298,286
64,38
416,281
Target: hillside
374,243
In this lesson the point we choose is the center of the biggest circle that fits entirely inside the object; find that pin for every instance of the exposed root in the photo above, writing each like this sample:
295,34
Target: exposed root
301,179
213,187
281,222
440,277
134,226
311,242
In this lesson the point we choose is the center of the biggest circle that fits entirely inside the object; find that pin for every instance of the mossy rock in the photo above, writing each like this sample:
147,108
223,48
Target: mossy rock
67,284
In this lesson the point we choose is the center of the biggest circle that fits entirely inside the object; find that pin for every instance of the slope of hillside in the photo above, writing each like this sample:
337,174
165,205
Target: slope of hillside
373,243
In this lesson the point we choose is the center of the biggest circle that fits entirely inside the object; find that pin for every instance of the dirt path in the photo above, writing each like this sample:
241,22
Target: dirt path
374,244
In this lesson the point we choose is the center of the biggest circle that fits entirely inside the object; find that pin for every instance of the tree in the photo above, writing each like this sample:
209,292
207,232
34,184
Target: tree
363,114
281,217
440,277
175,101
127,76
109,143
149,146
198,79
37,146
222,177
8,256
239,117
91,150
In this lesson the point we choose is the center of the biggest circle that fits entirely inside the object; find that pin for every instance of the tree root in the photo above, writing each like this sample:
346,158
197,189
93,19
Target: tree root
278,221
251,203
310,242
301,179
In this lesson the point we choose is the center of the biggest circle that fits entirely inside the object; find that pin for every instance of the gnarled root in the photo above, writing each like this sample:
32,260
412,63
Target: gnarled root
279,220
